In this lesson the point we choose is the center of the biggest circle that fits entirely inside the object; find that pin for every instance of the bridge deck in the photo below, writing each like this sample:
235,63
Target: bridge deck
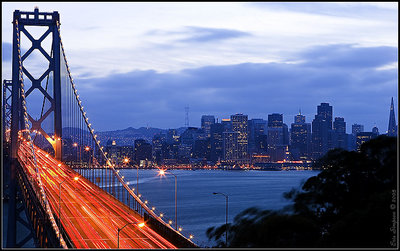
90,216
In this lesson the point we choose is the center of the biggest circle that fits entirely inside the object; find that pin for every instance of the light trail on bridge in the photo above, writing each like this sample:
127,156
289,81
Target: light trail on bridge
89,216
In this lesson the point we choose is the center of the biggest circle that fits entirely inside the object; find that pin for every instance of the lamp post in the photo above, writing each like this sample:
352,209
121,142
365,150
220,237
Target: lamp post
87,149
226,217
120,229
162,172
76,178
76,155
137,179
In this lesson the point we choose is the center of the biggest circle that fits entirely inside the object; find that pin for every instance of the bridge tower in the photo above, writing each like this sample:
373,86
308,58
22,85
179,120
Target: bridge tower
22,20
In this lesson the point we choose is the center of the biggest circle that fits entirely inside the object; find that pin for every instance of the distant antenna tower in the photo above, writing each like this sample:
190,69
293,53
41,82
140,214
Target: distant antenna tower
187,116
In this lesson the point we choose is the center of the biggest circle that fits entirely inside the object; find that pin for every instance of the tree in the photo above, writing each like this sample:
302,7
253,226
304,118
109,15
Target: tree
254,228
346,205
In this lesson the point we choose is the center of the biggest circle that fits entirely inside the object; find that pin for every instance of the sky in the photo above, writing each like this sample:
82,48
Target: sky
140,64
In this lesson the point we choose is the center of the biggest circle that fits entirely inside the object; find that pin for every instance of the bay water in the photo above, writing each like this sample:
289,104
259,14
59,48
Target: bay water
198,208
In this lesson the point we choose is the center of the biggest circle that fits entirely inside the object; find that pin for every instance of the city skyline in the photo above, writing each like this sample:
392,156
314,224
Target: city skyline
244,141
288,121
154,59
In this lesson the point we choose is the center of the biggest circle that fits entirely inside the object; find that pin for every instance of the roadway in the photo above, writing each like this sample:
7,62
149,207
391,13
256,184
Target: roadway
90,216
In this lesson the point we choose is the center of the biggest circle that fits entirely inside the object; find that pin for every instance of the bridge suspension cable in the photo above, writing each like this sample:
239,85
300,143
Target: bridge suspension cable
94,143
72,138
26,133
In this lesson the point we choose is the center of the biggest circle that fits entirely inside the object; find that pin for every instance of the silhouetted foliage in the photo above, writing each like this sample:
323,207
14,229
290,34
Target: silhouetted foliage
346,205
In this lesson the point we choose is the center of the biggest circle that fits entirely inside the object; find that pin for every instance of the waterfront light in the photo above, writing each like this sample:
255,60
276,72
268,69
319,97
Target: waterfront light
162,173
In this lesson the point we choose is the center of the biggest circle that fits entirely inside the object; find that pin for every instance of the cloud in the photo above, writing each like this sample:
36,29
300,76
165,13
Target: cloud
194,34
201,34
357,91
6,51
347,55
349,9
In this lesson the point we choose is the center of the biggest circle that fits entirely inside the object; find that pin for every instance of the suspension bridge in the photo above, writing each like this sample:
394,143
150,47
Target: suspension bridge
55,167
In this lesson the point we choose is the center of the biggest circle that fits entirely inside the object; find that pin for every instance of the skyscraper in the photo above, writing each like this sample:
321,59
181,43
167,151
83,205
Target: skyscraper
392,127
143,151
363,137
277,137
239,125
158,141
300,135
257,135
339,133
216,141
352,138
322,131
227,123
231,149
206,122
356,128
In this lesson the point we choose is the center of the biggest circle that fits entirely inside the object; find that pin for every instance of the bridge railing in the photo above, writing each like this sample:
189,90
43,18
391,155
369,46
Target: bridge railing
41,218
127,193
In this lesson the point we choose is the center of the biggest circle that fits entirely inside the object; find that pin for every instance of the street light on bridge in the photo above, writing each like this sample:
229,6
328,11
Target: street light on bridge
87,149
141,224
75,145
162,173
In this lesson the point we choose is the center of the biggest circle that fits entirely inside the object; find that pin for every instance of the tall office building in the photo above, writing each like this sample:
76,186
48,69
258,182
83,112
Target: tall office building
322,131
277,137
275,120
257,136
356,128
392,127
227,123
206,122
363,137
339,133
231,146
239,125
216,142
300,138
352,137
116,153
143,151
158,141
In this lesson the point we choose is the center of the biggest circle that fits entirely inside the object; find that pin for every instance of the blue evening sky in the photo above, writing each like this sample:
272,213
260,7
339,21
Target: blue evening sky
140,64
